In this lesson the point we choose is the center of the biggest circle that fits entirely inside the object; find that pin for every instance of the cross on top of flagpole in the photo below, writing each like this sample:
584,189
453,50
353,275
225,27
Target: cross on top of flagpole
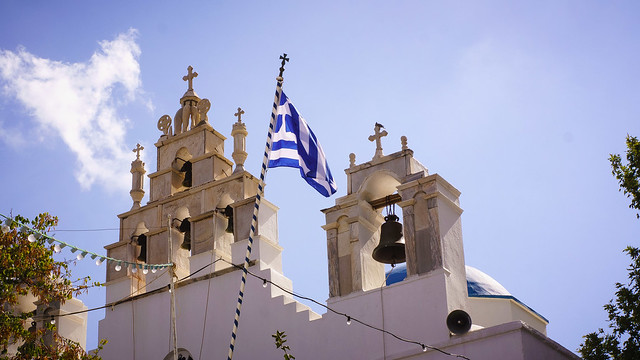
284,59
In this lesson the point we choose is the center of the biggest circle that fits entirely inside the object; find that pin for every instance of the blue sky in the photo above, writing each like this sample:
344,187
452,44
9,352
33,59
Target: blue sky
518,105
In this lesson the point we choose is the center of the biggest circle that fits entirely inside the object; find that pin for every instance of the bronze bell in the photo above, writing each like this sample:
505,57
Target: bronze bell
142,241
390,250
185,228
186,169
228,212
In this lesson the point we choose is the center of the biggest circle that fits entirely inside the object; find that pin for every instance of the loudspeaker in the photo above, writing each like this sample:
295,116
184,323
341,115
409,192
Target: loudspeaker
458,322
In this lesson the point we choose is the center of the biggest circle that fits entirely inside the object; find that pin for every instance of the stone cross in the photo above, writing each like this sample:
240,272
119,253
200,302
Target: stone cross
189,77
137,151
239,114
376,137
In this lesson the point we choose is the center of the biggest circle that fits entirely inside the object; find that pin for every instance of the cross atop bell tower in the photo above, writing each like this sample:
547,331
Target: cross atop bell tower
189,77
377,136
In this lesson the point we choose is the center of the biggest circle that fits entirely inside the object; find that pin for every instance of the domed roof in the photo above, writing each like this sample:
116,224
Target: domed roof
478,283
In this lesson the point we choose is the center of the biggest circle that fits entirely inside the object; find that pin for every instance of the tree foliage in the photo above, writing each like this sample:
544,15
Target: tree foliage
27,270
629,175
623,343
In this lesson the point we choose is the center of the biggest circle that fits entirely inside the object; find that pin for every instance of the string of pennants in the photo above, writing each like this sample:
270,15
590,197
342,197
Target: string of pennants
35,235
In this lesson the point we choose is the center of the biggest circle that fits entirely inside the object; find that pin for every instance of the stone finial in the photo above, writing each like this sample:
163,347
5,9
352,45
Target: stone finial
164,125
376,137
239,133
352,160
203,108
137,178
403,141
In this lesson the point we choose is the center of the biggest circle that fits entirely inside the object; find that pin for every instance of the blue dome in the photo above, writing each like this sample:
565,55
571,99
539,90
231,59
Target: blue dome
481,284
478,283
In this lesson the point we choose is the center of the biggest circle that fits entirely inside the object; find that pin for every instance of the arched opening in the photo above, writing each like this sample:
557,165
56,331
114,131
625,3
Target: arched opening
183,175
377,186
183,224
140,240
223,225
380,191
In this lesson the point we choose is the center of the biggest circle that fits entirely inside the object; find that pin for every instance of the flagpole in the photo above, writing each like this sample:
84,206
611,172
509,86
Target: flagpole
254,220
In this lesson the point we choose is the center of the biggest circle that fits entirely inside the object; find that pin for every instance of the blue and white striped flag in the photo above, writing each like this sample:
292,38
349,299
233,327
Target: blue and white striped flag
295,145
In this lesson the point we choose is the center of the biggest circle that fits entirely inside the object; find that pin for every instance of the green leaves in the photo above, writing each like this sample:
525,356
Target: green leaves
28,269
629,175
624,310
281,338
624,321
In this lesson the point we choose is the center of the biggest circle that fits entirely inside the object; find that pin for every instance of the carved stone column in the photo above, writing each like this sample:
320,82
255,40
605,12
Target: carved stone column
137,181
408,232
332,253
239,134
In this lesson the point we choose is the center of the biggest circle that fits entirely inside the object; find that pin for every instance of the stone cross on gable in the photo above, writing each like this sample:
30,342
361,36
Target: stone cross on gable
376,137
189,77
137,151
239,114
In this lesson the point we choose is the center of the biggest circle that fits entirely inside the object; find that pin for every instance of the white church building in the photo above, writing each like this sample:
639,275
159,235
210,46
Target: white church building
198,217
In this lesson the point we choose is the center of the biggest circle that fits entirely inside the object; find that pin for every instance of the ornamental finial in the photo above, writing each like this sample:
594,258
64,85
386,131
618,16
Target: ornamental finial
284,59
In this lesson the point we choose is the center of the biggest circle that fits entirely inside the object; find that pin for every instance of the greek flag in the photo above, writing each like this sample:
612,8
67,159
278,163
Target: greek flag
295,145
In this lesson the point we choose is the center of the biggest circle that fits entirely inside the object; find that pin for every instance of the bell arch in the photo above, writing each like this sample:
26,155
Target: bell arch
181,222
182,169
378,185
139,238
353,233
223,224
429,216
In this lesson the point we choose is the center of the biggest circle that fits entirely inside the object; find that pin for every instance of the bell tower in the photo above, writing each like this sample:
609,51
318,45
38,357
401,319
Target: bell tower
430,225
198,204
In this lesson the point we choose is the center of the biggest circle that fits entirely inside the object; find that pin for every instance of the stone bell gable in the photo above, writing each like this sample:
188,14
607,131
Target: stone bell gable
193,196
431,225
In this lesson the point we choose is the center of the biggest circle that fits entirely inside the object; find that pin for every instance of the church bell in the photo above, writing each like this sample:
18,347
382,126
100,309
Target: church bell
185,228
228,213
390,250
142,242
186,169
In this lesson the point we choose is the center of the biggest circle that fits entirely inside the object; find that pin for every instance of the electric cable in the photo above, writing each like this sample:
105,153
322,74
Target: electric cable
424,346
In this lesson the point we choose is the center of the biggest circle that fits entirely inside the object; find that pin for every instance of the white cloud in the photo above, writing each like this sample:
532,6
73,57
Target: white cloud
78,102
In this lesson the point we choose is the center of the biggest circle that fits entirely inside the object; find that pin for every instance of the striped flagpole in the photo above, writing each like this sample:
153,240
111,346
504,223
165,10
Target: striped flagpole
256,207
